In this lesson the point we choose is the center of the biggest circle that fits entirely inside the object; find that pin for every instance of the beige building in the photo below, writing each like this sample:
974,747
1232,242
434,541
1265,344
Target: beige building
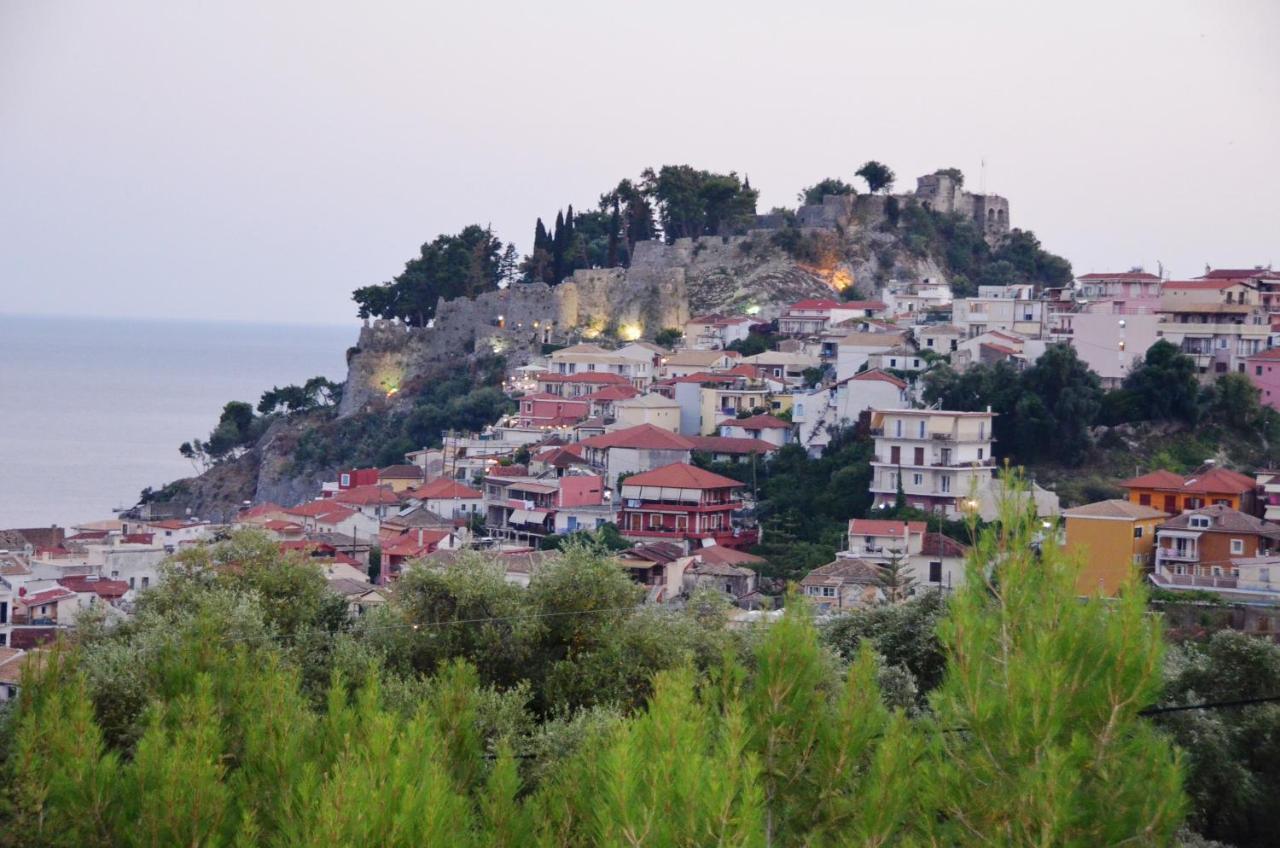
1218,323
942,458
657,410
1000,308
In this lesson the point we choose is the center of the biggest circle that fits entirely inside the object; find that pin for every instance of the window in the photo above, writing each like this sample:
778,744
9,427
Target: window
1237,546
1198,521
935,572
828,591
898,428
1144,500
1137,532
917,479
146,581
131,585
922,429
944,483
979,453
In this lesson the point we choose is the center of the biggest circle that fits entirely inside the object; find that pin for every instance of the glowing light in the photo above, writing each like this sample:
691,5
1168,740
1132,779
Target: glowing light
841,279
391,391
753,309
629,332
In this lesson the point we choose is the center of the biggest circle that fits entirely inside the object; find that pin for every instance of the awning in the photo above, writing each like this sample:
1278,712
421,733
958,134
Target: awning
527,516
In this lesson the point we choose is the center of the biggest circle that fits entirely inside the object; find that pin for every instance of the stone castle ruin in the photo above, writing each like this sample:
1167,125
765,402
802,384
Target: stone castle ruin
941,193
664,286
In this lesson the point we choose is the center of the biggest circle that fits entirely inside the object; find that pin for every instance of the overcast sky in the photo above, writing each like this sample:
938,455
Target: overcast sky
259,160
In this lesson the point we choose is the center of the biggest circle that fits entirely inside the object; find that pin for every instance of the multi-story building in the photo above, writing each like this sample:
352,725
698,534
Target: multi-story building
679,502
547,411
1114,540
811,317
823,411
716,332
1264,372
1218,323
1268,493
939,457
1196,548
636,362
1000,308
1265,280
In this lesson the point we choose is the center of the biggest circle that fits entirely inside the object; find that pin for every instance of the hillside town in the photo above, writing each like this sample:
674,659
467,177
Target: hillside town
622,438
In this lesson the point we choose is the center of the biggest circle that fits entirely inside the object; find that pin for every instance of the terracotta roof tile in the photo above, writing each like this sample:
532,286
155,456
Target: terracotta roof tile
680,475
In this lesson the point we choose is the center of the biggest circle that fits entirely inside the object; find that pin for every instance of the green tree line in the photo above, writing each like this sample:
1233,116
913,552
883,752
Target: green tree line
237,708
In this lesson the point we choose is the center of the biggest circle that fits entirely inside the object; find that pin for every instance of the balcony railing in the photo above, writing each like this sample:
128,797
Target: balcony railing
1213,582
1175,555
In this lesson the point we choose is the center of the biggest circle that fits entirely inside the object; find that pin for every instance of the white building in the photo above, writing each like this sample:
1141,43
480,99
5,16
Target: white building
854,350
652,409
1000,308
823,411
716,332
940,457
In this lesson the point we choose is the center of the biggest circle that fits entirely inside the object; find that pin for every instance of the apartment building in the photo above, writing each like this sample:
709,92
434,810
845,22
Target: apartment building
1218,323
941,458
1000,308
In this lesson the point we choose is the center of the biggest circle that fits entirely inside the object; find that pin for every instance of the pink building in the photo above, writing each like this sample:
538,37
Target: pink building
1113,323
548,410
1264,370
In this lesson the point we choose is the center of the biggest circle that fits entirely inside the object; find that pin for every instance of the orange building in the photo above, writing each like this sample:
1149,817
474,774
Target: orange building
1114,540
1209,486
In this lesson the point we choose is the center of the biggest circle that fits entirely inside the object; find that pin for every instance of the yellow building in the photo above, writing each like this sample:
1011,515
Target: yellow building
1114,540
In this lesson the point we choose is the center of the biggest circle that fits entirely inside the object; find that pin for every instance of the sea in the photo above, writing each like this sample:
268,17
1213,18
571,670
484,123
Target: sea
93,410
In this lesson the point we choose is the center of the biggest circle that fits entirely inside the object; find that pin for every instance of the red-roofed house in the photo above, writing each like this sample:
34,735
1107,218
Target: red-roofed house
679,502
601,403
400,477
1264,371
353,478
412,545
635,449
577,385
729,449
278,529
767,428
879,540
49,606
93,589
1172,493
372,501
448,498
547,411
811,317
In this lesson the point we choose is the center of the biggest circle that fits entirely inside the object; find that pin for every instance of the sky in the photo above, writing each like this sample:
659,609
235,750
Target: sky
258,161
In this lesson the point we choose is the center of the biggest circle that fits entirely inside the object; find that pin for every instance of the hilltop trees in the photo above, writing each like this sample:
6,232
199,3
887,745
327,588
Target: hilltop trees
812,195
878,176
462,265
692,203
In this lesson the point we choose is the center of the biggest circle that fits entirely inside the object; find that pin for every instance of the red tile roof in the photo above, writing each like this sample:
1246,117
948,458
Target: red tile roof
260,510
400,472
1269,355
312,509
1137,276
443,488
730,444
876,375
46,596
880,527
1160,479
1199,284
508,471
618,392
939,544
367,496
101,588
1219,481
720,555
680,475
279,526
643,436
335,515
864,304
138,538
1241,274
816,304
758,422
415,543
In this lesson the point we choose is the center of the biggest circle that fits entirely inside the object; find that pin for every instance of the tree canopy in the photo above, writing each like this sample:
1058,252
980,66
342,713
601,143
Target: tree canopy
812,195
692,202
879,176
226,713
450,266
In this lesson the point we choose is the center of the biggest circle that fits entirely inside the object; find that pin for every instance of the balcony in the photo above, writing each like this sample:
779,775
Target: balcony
1195,581
1176,555
733,538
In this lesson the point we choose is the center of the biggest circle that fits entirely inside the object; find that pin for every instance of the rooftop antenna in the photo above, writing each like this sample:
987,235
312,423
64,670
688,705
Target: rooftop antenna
982,179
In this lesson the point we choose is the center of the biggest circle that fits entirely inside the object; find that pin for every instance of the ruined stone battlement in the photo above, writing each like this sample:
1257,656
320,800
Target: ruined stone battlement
941,193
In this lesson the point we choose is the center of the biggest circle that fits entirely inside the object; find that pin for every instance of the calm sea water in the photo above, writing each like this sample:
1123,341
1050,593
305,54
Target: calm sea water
93,410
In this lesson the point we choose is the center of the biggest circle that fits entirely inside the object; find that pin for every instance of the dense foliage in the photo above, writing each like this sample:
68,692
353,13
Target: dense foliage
472,712
812,195
969,260
878,176
450,266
